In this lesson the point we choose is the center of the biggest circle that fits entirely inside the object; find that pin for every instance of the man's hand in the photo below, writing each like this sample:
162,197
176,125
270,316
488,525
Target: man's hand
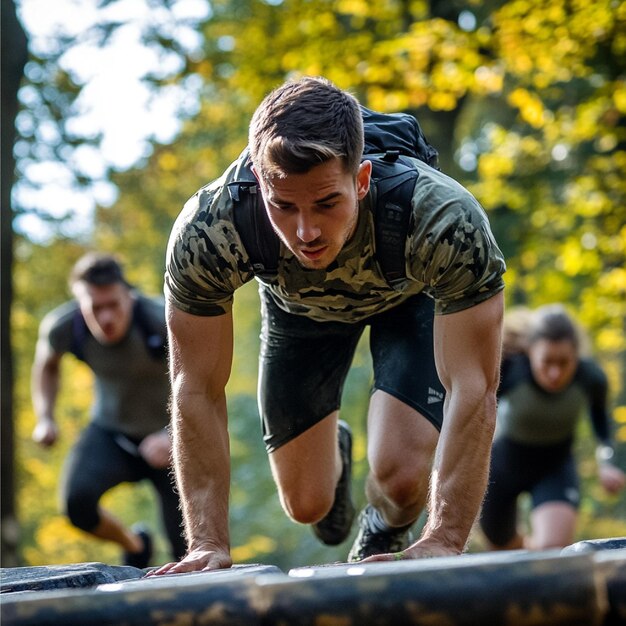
422,549
156,449
45,432
197,561
612,478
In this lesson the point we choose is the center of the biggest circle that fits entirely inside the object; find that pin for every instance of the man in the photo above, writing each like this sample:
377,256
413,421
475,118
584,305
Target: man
121,336
306,146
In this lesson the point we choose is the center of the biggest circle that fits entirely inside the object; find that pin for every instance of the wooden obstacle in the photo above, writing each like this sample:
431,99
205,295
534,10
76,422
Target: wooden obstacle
584,586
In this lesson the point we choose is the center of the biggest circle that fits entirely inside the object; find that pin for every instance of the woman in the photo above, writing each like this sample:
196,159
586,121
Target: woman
545,386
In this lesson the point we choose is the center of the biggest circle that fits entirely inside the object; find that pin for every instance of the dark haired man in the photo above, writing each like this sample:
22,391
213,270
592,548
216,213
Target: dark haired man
435,342
121,336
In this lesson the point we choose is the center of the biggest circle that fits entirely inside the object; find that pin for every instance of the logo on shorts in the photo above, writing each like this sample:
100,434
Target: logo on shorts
434,396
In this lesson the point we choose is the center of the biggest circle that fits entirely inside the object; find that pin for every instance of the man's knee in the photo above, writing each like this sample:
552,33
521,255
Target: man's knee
306,472
402,483
307,505
81,508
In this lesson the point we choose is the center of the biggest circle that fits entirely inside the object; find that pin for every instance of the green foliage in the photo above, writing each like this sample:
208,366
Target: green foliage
53,134
528,109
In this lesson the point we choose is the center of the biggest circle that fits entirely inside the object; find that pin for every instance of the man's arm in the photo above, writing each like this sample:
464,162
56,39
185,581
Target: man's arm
201,350
467,353
45,382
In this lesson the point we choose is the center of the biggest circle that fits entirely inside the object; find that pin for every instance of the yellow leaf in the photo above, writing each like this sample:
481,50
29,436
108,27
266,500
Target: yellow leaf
620,414
619,98
257,545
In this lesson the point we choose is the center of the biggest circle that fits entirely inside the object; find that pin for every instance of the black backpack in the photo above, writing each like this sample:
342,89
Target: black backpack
388,138
154,339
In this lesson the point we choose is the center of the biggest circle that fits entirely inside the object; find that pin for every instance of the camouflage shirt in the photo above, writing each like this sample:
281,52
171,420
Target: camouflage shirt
451,255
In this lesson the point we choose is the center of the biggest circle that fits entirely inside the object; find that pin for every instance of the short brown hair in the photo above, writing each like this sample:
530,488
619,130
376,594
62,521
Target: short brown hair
304,123
97,268
552,323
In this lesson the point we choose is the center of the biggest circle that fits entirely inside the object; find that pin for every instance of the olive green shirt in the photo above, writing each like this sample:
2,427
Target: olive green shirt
131,386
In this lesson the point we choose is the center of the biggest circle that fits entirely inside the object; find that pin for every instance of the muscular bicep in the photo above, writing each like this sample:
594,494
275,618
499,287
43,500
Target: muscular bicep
468,346
201,352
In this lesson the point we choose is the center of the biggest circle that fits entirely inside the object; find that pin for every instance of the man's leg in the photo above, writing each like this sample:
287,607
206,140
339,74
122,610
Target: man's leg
306,471
109,528
405,415
95,465
303,367
401,446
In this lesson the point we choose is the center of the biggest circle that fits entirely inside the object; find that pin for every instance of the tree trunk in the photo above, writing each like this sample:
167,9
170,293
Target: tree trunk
14,56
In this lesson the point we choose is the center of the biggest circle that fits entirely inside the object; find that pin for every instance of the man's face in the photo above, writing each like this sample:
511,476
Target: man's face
553,363
107,309
316,213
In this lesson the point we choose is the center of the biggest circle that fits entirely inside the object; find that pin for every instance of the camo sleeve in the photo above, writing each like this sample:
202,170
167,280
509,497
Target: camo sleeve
452,250
205,262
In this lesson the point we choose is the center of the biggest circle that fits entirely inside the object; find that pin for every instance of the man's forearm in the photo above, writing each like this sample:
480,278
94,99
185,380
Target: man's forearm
44,389
467,353
461,469
202,466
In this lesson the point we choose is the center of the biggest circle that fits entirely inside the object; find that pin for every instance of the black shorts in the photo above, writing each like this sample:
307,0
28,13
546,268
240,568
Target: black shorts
304,364
103,459
547,473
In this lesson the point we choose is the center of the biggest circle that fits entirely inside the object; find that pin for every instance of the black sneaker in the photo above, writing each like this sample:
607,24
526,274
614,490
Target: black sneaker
336,526
370,541
140,560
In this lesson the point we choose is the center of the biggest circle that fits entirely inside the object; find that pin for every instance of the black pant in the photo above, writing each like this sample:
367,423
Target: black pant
548,473
97,463
304,364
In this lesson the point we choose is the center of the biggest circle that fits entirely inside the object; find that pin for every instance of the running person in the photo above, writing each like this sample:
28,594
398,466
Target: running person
435,344
120,334
543,391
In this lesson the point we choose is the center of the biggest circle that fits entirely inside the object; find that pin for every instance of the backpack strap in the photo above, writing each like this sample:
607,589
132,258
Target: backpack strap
251,220
393,181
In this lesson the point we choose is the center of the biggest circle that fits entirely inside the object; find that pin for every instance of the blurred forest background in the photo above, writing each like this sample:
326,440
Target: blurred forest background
526,103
